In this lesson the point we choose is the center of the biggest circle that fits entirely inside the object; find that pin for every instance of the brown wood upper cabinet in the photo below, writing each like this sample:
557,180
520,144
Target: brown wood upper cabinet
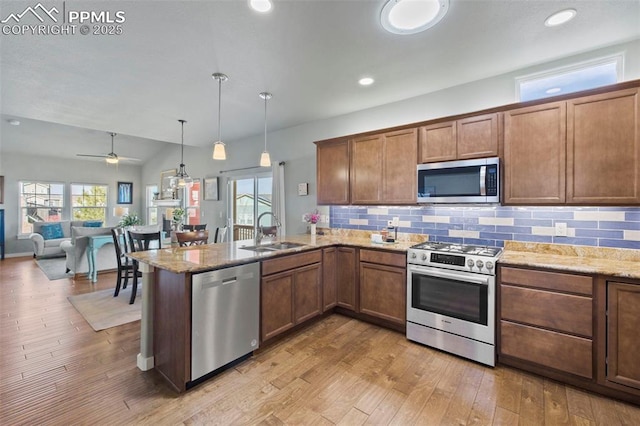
383,168
603,149
332,162
471,137
581,151
534,154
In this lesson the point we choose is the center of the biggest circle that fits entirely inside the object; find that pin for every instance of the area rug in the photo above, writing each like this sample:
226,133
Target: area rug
102,310
54,268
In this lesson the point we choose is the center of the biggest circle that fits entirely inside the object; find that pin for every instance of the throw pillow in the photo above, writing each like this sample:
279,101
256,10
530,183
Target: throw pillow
93,224
51,231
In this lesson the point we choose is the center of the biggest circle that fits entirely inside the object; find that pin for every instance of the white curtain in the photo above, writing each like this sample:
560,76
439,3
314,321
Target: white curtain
277,204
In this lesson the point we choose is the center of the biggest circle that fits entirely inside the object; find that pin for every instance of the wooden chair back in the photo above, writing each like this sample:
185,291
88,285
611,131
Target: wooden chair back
141,241
192,238
199,227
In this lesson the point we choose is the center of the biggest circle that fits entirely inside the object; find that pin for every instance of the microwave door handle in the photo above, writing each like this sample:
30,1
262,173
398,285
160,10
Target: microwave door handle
483,180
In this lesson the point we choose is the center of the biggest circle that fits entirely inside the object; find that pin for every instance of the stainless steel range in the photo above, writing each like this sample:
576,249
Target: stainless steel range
451,296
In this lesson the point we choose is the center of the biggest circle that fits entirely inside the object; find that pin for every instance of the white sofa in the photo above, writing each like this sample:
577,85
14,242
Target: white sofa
42,247
75,250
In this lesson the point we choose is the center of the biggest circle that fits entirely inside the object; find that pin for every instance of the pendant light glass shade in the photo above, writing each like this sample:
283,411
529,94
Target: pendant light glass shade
219,152
182,178
265,159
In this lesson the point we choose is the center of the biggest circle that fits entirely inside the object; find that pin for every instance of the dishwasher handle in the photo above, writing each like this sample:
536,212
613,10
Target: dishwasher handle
226,281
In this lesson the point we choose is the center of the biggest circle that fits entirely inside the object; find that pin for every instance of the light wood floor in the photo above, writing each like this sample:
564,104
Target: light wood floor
54,369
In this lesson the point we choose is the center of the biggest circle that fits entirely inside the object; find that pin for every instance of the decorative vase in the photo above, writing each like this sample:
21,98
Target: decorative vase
313,229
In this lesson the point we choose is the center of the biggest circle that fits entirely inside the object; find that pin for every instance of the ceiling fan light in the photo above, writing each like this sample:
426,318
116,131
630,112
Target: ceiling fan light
265,160
219,152
112,160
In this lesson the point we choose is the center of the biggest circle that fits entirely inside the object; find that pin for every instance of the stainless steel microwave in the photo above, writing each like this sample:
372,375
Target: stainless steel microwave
465,181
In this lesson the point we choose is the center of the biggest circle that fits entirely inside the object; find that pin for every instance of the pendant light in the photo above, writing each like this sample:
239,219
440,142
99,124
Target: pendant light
182,178
219,152
265,159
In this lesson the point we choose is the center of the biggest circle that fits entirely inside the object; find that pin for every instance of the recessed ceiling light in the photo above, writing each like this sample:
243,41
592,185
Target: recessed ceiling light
260,5
366,81
14,122
412,16
560,18
553,90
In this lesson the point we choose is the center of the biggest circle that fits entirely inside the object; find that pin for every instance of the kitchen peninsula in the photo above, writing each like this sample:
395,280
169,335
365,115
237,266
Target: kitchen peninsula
165,339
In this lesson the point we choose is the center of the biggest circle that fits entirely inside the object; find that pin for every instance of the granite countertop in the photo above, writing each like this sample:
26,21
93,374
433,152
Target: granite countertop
624,263
215,256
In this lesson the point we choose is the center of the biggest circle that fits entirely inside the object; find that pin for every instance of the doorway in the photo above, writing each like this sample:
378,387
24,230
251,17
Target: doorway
249,197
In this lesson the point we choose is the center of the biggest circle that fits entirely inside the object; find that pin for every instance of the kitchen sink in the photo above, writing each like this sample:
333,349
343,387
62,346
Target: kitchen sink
272,247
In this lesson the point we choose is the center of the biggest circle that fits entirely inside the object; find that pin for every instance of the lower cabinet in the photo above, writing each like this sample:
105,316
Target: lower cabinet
383,285
546,318
622,367
346,279
578,329
329,278
290,292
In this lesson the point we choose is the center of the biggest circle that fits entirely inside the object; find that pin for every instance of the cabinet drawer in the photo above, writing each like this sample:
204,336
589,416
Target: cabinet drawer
383,258
568,283
562,312
290,262
547,348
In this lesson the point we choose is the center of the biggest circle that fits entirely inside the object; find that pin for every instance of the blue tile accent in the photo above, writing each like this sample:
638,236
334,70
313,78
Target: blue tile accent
587,232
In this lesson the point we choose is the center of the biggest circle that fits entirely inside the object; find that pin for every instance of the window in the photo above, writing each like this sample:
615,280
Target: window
40,202
574,78
152,211
192,203
88,202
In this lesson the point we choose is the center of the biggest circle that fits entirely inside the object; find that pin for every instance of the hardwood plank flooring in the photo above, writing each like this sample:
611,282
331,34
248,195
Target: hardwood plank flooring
55,370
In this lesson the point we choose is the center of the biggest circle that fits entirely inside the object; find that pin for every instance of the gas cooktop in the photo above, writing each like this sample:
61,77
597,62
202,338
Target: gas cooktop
461,257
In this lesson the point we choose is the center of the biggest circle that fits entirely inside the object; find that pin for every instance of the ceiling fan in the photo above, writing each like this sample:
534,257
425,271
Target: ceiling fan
112,157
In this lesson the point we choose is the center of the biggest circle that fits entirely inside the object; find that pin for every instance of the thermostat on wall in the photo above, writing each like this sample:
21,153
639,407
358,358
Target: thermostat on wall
303,189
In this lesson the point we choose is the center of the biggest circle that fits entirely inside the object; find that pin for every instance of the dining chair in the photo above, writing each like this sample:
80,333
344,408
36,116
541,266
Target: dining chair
193,238
125,265
141,241
220,234
199,227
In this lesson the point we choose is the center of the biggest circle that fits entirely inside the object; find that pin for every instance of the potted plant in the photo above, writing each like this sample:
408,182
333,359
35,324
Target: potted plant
129,220
312,218
178,216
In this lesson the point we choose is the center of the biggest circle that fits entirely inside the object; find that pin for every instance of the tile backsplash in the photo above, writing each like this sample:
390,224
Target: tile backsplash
493,225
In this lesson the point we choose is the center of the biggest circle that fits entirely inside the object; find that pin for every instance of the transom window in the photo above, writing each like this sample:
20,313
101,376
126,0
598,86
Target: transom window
573,78
40,202
89,201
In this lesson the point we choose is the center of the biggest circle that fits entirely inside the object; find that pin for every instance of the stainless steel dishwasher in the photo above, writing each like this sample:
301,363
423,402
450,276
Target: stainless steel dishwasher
225,317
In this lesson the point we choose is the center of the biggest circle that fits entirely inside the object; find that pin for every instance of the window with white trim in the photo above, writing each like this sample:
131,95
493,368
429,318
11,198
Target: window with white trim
89,201
569,79
40,202
152,211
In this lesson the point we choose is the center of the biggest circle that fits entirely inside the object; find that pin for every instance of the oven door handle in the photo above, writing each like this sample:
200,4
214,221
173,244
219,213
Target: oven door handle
452,276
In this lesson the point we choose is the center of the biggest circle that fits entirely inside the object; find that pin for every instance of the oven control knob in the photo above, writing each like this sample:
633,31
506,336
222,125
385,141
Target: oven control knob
479,264
424,256
489,265
470,263
413,255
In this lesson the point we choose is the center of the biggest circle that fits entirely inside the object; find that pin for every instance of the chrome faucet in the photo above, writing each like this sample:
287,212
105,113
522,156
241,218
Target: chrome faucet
262,232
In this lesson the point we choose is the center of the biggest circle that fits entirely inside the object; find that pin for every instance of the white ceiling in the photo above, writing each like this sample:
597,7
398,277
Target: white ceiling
309,54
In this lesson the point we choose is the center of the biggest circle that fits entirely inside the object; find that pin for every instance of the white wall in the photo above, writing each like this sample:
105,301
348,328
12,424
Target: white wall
17,167
295,145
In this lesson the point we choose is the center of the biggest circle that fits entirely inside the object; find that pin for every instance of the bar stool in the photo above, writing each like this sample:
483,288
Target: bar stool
125,265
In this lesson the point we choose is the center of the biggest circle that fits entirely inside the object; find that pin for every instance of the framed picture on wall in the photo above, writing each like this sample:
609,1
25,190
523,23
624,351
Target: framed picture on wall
211,189
125,193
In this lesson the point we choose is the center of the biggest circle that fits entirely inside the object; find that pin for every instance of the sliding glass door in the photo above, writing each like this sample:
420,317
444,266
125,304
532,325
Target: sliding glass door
249,197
